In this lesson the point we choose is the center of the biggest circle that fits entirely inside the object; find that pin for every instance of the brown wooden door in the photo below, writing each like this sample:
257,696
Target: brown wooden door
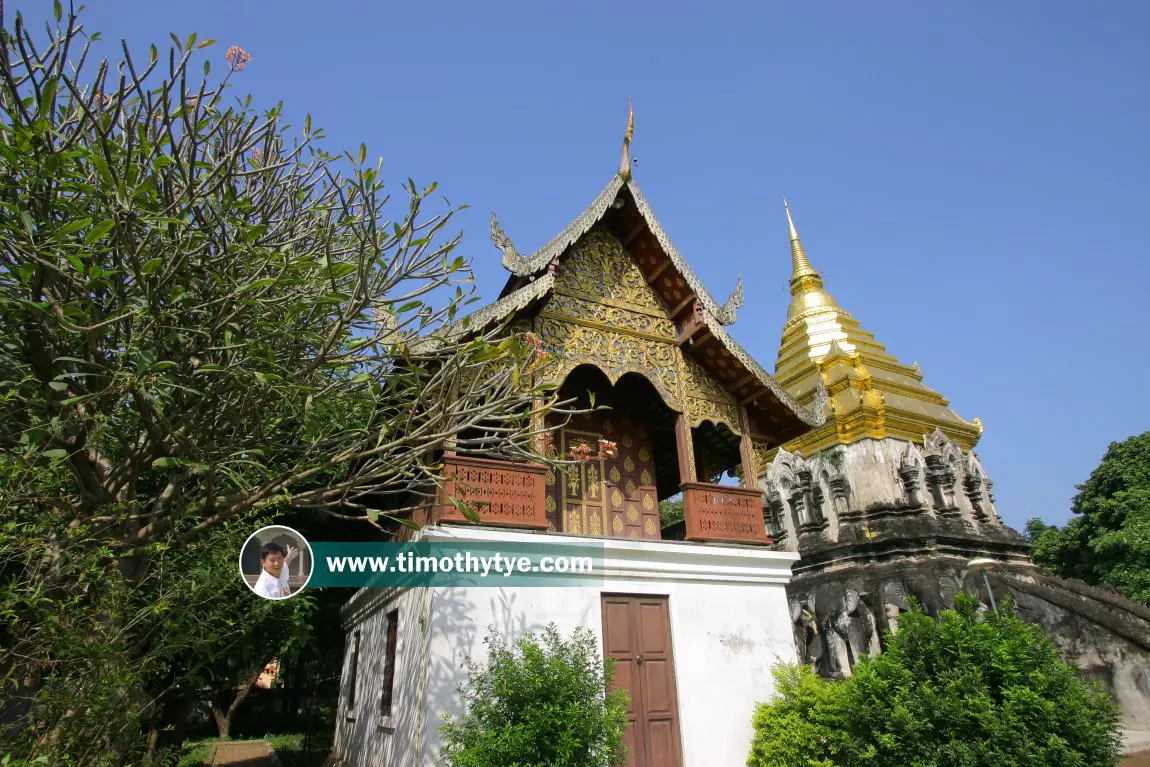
613,496
637,634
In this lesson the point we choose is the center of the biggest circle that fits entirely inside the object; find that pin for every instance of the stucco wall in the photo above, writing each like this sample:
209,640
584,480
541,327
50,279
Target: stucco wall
729,625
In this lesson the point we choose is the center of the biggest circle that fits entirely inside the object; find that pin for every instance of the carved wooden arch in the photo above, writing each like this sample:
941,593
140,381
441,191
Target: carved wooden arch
558,376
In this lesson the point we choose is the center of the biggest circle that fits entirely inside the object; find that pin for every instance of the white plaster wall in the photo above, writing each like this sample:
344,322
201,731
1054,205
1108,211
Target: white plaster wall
729,626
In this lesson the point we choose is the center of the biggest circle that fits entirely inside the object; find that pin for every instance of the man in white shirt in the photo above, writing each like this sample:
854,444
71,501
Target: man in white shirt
273,581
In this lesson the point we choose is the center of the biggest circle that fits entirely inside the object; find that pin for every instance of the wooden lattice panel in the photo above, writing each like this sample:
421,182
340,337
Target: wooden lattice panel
505,494
722,513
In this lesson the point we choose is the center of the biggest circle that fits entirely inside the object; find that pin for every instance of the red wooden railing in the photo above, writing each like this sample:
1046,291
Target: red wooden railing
723,513
504,494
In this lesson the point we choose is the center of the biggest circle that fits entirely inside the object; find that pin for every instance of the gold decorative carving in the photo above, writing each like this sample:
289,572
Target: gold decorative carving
602,270
617,525
628,442
615,475
629,464
550,504
550,476
571,344
644,456
616,497
645,477
648,502
629,488
649,527
632,514
706,400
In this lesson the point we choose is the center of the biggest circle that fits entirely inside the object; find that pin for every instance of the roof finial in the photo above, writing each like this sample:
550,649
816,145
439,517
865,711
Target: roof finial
625,161
801,267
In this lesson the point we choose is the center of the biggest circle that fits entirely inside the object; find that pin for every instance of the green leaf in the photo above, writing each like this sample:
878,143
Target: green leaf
167,462
342,270
28,225
57,10
58,385
151,265
72,226
58,452
257,285
99,231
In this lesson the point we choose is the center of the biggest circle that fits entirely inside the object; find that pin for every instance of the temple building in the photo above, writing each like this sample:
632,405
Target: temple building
679,408
888,500
858,489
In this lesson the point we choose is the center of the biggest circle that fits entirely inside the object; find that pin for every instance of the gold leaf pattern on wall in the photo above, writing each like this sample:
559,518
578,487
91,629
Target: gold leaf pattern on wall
644,455
649,527
615,475
550,478
629,464
617,525
645,477
550,505
628,442
629,487
648,502
632,514
616,497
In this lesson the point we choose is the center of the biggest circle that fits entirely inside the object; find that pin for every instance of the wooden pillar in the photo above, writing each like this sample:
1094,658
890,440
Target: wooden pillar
685,449
747,452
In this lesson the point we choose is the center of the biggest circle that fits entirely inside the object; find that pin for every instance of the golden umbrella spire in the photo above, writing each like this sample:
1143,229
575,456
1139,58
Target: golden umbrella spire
625,160
801,267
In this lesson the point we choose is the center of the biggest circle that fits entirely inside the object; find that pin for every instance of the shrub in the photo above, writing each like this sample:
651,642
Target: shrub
539,703
962,690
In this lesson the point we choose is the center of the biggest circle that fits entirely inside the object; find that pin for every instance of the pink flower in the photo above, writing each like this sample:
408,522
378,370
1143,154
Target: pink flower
608,449
581,452
257,154
237,57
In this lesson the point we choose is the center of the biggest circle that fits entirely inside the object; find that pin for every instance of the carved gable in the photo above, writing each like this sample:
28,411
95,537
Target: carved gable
604,313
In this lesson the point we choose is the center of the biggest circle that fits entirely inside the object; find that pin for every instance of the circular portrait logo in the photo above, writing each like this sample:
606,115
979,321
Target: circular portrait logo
276,562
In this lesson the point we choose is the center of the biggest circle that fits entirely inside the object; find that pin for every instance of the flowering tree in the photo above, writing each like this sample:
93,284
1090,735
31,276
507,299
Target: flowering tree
202,318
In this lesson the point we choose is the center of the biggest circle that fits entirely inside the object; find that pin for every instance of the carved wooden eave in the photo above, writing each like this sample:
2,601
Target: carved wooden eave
621,209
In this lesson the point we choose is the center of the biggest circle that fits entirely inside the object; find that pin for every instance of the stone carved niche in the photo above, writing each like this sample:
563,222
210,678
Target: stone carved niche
912,472
943,462
811,492
977,487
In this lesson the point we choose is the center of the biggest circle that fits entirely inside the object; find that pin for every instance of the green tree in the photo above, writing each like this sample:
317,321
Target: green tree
962,690
670,511
541,703
1108,541
205,318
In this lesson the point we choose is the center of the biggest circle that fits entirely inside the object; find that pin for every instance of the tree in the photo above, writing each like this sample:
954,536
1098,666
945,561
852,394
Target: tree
202,321
670,511
962,690
541,703
1108,542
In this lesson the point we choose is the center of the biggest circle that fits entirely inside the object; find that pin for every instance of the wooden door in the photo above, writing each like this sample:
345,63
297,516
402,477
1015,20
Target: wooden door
613,496
637,634
630,481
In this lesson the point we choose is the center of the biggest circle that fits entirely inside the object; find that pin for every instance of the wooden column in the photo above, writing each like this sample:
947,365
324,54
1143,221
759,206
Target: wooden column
747,452
685,449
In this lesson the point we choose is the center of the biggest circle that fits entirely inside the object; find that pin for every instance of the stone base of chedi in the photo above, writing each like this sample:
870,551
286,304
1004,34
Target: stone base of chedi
882,520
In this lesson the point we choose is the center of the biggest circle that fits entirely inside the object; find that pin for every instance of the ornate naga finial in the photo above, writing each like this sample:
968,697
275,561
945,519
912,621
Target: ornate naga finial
499,238
821,403
801,267
625,160
727,311
978,422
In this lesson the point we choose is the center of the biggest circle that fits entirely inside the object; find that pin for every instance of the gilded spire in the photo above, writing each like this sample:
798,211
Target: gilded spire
801,267
625,160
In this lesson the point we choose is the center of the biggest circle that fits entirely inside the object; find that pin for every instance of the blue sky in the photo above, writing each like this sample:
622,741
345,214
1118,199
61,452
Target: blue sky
971,178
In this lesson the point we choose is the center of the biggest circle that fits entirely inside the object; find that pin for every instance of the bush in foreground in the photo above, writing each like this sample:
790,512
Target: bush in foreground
539,703
963,690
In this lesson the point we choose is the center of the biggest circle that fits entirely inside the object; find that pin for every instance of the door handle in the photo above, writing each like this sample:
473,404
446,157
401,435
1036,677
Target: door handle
639,660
